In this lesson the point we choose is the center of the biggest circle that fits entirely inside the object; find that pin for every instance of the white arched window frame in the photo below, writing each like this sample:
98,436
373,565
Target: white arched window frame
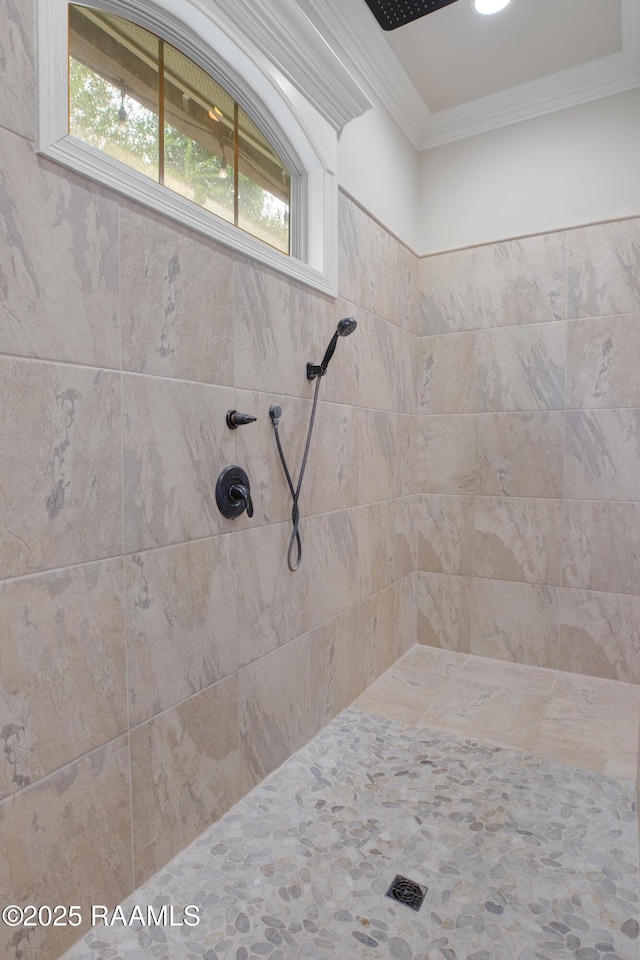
272,61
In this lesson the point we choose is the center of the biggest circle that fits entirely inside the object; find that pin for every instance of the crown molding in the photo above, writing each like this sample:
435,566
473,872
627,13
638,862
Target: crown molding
352,32
378,70
288,38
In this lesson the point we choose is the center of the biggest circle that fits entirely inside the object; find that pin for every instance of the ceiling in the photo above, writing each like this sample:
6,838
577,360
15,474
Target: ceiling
455,73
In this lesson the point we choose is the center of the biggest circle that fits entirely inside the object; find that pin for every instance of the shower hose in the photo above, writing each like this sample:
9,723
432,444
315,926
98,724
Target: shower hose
295,543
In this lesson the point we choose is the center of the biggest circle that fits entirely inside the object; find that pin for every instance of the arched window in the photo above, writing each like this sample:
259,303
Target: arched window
137,98
224,117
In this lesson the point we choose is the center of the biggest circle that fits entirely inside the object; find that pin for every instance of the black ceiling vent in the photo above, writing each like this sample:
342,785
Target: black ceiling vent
392,14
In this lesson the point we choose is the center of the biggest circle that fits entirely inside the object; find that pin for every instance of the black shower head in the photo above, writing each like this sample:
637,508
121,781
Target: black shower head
392,14
344,328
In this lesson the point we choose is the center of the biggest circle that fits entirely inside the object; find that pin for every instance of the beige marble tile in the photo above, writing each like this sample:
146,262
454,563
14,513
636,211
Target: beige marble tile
602,738
520,455
176,301
391,710
17,78
599,635
601,549
444,611
275,330
332,475
447,663
181,623
387,542
602,362
273,602
407,305
406,456
376,349
405,378
62,664
522,368
185,774
523,281
447,374
448,293
59,254
381,640
338,670
381,457
510,676
516,621
406,613
332,552
275,710
62,488
518,539
603,455
445,534
411,688
367,261
602,695
482,711
447,454
176,442
67,840
604,269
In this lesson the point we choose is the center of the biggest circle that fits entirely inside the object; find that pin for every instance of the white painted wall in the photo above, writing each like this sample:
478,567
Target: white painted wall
565,169
378,167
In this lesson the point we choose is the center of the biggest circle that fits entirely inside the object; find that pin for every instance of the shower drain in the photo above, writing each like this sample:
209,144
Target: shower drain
408,892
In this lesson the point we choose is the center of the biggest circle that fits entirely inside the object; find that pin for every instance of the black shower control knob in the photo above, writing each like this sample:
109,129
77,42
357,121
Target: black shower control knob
233,493
236,419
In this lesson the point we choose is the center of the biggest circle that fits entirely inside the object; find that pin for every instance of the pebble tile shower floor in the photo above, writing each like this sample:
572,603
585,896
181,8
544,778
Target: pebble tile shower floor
523,858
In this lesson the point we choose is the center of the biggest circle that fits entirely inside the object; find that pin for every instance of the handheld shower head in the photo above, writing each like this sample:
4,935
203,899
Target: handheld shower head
346,326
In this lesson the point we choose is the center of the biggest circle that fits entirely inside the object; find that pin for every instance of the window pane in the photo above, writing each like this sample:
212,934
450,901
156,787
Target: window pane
198,135
264,187
113,87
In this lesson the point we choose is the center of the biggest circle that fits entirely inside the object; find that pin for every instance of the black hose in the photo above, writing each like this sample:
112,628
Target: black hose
295,540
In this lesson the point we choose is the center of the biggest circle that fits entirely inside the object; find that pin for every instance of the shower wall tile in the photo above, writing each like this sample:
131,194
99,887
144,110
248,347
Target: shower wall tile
523,281
406,612
376,345
518,539
445,534
332,476
447,455
337,652
604,269
601,549
602,362
407,307
406,479
176,441
522,368
181,623
280,326
62,654
444,611
516,621
176,301
603,455
406,375
383,459
67,839
447,374
185,774
275,710
342,383
380,635
332,540
367,259
520,455
448,293
387,542
17,68
59,260
599,635
273,602
62,491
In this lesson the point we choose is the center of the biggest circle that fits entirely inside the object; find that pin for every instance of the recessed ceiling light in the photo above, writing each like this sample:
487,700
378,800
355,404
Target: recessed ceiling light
490,6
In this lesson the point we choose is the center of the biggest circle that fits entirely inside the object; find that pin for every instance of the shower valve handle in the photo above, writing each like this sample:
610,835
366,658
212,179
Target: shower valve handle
239,492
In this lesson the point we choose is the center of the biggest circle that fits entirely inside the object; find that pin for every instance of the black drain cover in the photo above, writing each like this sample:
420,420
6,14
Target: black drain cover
392,14
408,892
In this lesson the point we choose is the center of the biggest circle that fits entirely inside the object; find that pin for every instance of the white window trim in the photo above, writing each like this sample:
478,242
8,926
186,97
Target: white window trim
251,76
